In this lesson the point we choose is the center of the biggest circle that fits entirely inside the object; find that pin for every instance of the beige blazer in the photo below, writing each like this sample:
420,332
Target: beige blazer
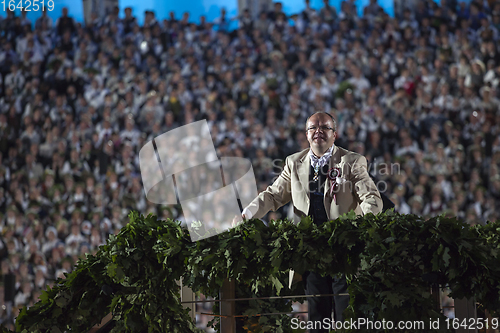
356,190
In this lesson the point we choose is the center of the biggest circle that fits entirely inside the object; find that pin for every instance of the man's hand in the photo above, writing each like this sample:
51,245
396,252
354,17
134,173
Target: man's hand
238,220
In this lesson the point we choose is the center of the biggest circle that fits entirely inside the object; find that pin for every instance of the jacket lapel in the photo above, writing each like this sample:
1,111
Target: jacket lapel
334,160
303,168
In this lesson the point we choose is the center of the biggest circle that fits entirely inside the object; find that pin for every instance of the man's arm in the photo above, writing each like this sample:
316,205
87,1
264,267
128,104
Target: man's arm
275,196
364,188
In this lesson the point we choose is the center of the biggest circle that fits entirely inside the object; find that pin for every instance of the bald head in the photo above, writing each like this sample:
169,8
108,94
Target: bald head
325,113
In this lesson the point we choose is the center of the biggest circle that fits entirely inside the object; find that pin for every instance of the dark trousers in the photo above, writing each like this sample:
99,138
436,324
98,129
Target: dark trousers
321,307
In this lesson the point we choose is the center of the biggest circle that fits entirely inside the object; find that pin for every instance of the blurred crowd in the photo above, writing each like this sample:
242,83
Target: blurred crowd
418,95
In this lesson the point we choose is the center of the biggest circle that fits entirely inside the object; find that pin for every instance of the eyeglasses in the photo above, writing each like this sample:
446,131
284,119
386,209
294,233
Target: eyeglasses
322,128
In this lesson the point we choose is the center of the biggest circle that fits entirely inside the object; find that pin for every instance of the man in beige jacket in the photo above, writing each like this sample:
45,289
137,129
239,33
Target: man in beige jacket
324,182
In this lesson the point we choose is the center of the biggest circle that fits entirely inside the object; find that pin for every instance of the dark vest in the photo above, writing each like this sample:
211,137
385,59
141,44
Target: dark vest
317,209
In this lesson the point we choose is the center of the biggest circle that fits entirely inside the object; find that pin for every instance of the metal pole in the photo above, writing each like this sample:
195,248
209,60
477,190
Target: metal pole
188,299
436,295
466,309
227,307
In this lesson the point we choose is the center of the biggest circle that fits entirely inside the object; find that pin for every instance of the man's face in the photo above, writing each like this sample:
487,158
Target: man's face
320,133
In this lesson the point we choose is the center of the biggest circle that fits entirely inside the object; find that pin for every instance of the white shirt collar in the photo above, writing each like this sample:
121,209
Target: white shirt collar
320,161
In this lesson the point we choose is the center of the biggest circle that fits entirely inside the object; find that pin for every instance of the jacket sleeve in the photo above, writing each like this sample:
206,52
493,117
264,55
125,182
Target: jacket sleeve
364,188
275,196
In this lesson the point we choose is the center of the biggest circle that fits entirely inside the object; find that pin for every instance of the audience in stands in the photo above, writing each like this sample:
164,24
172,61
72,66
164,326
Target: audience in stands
418,95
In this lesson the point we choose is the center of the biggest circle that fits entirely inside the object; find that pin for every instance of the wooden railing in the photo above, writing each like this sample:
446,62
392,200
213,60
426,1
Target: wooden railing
465,309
